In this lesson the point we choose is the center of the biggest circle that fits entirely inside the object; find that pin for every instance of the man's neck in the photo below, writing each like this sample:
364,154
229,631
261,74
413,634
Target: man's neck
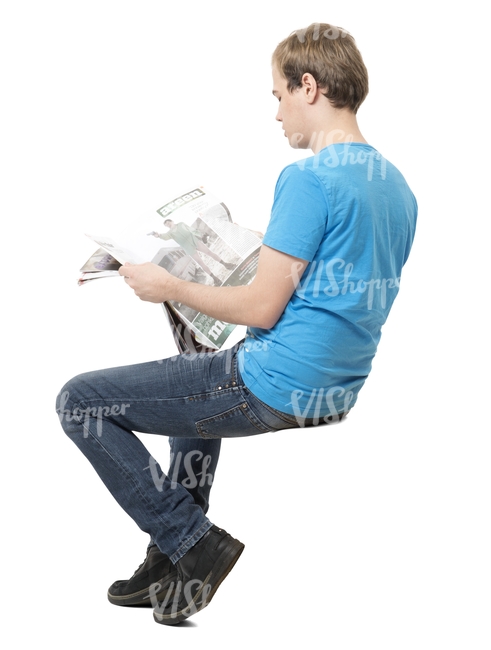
342,127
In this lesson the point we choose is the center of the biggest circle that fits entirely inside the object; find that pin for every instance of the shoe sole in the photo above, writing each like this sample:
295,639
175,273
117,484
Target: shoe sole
143,598
222,567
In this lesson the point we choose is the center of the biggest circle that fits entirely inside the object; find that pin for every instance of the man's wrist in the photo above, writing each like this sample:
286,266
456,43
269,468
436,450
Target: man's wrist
171,287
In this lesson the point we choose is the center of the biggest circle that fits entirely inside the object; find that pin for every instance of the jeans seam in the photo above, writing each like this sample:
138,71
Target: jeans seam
128,476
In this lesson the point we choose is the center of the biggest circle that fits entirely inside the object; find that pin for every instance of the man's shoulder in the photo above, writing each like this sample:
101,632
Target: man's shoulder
299,176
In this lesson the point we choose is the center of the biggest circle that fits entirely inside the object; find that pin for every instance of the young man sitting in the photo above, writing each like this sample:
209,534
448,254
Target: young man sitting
341,228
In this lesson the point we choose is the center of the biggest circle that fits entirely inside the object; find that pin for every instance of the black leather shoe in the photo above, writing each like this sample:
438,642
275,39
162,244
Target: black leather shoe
200,573
148,585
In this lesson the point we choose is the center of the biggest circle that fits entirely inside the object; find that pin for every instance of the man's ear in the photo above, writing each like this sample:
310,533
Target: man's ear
309,87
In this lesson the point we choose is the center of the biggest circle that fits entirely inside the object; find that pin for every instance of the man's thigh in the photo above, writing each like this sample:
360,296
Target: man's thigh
184,396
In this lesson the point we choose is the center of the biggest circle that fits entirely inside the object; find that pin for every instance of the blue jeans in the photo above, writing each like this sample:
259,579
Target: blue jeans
195,400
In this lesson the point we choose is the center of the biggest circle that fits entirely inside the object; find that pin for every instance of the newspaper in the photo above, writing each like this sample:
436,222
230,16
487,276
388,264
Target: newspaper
194,238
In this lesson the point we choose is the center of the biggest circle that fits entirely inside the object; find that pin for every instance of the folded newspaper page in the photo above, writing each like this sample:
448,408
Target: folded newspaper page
192,237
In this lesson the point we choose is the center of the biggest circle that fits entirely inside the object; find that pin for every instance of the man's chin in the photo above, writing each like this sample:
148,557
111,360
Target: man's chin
298,141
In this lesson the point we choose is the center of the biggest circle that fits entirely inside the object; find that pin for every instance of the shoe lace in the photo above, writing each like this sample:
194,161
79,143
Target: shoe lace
136,570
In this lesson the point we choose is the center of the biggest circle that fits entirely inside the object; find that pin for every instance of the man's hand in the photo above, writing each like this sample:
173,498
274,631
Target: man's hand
149,281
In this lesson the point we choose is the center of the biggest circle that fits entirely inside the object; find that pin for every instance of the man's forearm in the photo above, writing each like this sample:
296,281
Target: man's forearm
242,305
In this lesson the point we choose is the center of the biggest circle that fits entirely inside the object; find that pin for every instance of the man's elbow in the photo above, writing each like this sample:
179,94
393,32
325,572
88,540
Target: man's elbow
265,318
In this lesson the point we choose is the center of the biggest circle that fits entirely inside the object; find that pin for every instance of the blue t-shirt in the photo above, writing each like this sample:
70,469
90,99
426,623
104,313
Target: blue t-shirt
351,215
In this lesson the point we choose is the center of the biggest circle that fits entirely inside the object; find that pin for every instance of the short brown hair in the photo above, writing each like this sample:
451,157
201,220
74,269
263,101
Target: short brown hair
331,56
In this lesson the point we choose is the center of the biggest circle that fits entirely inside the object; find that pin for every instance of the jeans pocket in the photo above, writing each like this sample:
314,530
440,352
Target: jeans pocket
239,421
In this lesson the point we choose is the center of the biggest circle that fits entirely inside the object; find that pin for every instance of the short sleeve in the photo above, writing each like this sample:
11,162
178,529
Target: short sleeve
299,213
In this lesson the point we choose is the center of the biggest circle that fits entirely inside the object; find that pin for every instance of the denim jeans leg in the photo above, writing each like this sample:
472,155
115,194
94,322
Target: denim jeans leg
160,505
197,398
193,463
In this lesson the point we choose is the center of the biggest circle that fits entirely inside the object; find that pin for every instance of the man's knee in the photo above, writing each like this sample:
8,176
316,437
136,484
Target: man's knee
68,405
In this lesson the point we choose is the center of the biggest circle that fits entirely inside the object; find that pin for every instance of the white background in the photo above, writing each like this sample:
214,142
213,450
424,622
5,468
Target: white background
374,533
